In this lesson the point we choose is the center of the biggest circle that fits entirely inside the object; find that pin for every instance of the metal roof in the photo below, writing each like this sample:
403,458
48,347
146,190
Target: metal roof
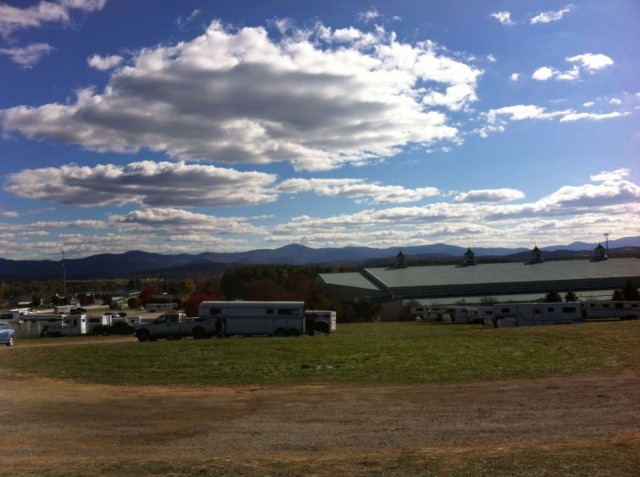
442,275
348,279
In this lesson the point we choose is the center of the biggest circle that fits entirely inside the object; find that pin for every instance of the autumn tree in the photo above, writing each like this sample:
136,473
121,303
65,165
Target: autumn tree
192,304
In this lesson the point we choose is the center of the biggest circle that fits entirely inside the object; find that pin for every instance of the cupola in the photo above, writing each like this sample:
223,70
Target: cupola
601,252
401,260
469,258
536,255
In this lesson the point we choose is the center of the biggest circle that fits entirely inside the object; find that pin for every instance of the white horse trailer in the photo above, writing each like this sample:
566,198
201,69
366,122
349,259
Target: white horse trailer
70,325
49,324
623,310
272,318
537,314
323,321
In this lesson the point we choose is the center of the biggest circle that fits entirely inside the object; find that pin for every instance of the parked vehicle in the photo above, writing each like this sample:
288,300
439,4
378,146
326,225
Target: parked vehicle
152,307
7,334
322,321
623,310
537,314
175,326
270,318
106,325
67,326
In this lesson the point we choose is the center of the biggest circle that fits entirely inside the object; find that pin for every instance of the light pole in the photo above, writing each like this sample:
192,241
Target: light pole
606,238
64,277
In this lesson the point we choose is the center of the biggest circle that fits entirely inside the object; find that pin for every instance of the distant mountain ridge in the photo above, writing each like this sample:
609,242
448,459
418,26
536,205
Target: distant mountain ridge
144,263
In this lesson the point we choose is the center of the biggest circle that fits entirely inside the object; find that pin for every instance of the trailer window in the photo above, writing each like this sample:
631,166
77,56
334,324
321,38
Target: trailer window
269,311
550,309
537,311
215,311
569,309
287,311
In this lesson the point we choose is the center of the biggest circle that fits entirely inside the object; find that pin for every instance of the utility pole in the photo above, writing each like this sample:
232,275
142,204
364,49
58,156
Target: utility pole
606,238
64,277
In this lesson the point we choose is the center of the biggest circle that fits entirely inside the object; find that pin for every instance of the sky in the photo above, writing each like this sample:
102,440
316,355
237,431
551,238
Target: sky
224,126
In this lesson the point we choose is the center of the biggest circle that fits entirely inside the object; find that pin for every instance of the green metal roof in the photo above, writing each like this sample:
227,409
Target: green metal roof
348,279
442,275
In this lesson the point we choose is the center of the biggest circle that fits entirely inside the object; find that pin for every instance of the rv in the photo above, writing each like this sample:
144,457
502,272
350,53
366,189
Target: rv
271,318
536,314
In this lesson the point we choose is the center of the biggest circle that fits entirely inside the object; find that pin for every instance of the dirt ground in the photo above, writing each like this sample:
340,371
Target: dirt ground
51,427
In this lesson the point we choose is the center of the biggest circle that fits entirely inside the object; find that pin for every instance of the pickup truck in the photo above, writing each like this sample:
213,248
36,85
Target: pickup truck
175,326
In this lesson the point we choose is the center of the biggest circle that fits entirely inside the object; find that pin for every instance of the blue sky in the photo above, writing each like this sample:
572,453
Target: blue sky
197,126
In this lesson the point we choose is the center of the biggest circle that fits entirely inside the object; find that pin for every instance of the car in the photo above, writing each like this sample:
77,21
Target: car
7,334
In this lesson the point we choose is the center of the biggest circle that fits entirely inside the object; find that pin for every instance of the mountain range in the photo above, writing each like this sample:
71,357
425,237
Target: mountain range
144,264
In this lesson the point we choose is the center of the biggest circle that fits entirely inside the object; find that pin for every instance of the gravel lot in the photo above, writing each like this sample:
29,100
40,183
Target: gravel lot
53,427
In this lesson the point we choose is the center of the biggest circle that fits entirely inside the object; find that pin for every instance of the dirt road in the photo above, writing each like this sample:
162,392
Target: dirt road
52,427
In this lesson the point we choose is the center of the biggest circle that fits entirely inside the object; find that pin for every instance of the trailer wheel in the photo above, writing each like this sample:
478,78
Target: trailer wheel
11,341
143,335
199,333
322,327
280,332
293,332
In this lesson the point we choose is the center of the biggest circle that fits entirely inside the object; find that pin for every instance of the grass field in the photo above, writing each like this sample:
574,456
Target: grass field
368,353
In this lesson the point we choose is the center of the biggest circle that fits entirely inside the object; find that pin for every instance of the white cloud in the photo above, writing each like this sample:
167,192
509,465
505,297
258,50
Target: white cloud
241,97
480,219
27,56
503,17
104,63
357,189
515,76
147,182
575,116
615,175
588,62
369,15
182,22
14,18
498,119
551,16
171,220
542,74
489,195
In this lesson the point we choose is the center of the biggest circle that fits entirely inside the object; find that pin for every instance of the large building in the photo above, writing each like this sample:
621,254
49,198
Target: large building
470,282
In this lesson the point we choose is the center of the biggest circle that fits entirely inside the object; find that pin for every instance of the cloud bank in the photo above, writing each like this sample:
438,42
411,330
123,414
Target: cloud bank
326,98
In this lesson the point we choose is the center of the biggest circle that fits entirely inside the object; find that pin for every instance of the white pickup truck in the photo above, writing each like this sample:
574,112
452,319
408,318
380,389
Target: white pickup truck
175,326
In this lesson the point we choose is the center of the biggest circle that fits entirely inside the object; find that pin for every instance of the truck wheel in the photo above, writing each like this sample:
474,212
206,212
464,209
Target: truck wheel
199,334
280,332
293,332
143,335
